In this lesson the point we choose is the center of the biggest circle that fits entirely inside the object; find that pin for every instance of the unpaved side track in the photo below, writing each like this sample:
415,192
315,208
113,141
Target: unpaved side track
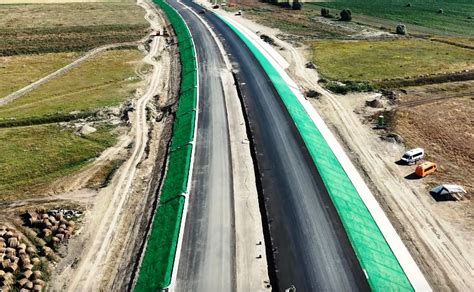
110,208
20,92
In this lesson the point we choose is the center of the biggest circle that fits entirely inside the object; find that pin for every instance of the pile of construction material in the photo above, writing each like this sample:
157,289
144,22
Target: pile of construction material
18,263
54,227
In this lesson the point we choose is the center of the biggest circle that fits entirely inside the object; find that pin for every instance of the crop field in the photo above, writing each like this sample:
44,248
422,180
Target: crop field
26,29
85,87
457,16
36,155
371,60
19,71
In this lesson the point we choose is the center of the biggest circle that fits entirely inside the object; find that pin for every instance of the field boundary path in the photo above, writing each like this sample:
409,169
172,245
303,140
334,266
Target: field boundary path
61,71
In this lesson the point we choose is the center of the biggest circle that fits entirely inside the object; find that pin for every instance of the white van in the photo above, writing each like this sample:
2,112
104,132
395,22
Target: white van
412,156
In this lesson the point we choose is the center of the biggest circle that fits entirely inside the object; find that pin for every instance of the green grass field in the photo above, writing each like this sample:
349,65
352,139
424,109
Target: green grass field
19,71
455,18
105,80
36,155
365,60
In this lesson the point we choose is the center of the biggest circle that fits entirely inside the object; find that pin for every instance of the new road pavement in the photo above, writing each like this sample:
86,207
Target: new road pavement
207,261
309,248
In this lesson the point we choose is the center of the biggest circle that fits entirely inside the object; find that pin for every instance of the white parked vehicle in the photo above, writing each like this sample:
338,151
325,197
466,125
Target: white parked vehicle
412,156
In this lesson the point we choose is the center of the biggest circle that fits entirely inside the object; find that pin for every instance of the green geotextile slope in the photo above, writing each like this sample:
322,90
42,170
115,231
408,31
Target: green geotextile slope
157,265
176,179
165,230
375,256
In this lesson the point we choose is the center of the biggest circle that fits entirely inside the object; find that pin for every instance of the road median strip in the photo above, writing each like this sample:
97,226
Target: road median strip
156,267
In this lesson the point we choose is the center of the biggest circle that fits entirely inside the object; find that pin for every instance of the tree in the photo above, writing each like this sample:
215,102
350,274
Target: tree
346,15
401,29
297,5
324,12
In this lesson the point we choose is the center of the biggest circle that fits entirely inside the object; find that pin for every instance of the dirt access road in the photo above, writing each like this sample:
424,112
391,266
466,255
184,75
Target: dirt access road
428,229
93,256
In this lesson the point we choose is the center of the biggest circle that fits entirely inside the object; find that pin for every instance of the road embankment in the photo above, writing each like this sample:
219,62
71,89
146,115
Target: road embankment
157,263
375,254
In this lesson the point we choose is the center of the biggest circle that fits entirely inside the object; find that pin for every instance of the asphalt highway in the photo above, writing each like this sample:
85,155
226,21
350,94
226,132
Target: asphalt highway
207,261
310,249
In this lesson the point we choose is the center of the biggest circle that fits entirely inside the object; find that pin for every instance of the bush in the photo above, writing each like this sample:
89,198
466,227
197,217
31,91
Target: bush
324,12
296,5
440,11
346,15
401,29
285,4
348,86
408,5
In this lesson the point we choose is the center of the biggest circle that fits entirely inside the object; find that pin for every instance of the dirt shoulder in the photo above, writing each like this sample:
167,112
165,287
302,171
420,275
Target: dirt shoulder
102,255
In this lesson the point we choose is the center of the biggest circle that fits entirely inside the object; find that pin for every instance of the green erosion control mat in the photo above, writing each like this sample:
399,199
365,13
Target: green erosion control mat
374,254
183,130
157,264
187,102
176,178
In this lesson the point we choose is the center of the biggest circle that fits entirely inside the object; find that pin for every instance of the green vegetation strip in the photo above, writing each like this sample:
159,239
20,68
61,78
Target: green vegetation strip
375,256
157,266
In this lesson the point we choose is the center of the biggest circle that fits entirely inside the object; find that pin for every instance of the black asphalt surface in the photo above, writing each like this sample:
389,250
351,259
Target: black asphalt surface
311,251
207,261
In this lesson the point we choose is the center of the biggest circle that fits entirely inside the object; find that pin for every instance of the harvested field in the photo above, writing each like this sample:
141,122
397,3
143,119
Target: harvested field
371,60
26,29
439,118
104,80
36,155
19,71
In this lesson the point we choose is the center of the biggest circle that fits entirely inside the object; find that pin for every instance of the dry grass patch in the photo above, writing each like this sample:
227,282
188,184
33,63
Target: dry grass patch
43,28
17,72
104,80
70,15
371,60
32,157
